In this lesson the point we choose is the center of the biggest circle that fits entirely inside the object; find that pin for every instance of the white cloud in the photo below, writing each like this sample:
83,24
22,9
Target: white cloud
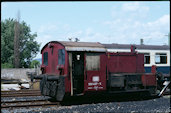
67,27
131,31
47,28
43,39
133,6
112,23
4,6
89,32
131,10
121,31
163,21
156,38
127,26
72,35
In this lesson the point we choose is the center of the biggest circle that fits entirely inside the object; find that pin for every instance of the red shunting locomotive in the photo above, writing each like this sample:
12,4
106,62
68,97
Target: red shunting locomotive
77,68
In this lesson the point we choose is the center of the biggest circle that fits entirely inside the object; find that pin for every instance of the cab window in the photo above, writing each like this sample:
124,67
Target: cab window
92,62
45,58
61,56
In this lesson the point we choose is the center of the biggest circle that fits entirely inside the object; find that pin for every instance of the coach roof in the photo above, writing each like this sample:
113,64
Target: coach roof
127,46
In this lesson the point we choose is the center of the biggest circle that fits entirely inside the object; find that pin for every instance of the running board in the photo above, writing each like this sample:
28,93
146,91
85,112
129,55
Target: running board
166,83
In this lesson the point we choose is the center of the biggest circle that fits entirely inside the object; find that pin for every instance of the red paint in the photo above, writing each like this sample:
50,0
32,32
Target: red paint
53,68
131,62
153,69
148,79
89,84
133,49
125,62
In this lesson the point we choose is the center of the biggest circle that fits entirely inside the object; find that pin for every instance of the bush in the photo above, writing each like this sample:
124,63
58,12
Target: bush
7,65
34,63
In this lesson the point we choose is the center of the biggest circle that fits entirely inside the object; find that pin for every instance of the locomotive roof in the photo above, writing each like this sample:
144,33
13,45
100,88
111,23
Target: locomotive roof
127,46
80,46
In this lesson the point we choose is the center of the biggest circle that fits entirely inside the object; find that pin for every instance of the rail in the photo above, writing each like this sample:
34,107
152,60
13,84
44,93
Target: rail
28,103
20,93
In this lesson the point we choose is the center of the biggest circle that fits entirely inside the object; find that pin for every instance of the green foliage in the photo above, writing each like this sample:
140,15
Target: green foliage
34,63
6,65
28,46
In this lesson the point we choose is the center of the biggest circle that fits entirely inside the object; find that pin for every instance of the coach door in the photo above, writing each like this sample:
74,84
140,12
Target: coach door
78,72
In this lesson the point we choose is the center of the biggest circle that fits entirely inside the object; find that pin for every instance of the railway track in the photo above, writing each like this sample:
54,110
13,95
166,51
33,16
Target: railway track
20,93
27,104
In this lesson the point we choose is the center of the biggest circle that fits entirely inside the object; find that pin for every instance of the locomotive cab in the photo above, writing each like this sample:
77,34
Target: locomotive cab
67,68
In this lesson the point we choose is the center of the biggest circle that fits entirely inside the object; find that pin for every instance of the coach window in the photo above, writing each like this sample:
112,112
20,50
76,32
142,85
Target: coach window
92,62
160,58
45,58
61,56
146,58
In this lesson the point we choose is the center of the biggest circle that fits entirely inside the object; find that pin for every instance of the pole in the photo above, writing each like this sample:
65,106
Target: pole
168,38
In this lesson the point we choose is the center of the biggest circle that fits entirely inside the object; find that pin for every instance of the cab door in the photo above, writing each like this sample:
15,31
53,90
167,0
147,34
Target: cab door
78,72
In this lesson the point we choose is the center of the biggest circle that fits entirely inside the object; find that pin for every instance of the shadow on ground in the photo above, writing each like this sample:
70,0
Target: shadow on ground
105,98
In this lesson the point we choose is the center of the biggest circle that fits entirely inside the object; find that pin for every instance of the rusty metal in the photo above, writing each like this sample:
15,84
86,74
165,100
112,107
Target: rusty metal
18,101
28,103
24,103
83,46
23,90
20,93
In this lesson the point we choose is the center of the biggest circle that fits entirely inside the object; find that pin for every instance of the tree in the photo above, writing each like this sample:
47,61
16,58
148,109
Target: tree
16,41
35,63
28,47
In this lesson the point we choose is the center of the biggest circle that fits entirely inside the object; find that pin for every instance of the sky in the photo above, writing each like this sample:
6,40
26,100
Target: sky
106,22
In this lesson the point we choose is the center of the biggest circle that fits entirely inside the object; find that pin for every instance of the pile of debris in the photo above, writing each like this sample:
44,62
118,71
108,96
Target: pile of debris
14,84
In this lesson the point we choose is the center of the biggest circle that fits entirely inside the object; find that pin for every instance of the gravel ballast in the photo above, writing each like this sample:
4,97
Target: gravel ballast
161,104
